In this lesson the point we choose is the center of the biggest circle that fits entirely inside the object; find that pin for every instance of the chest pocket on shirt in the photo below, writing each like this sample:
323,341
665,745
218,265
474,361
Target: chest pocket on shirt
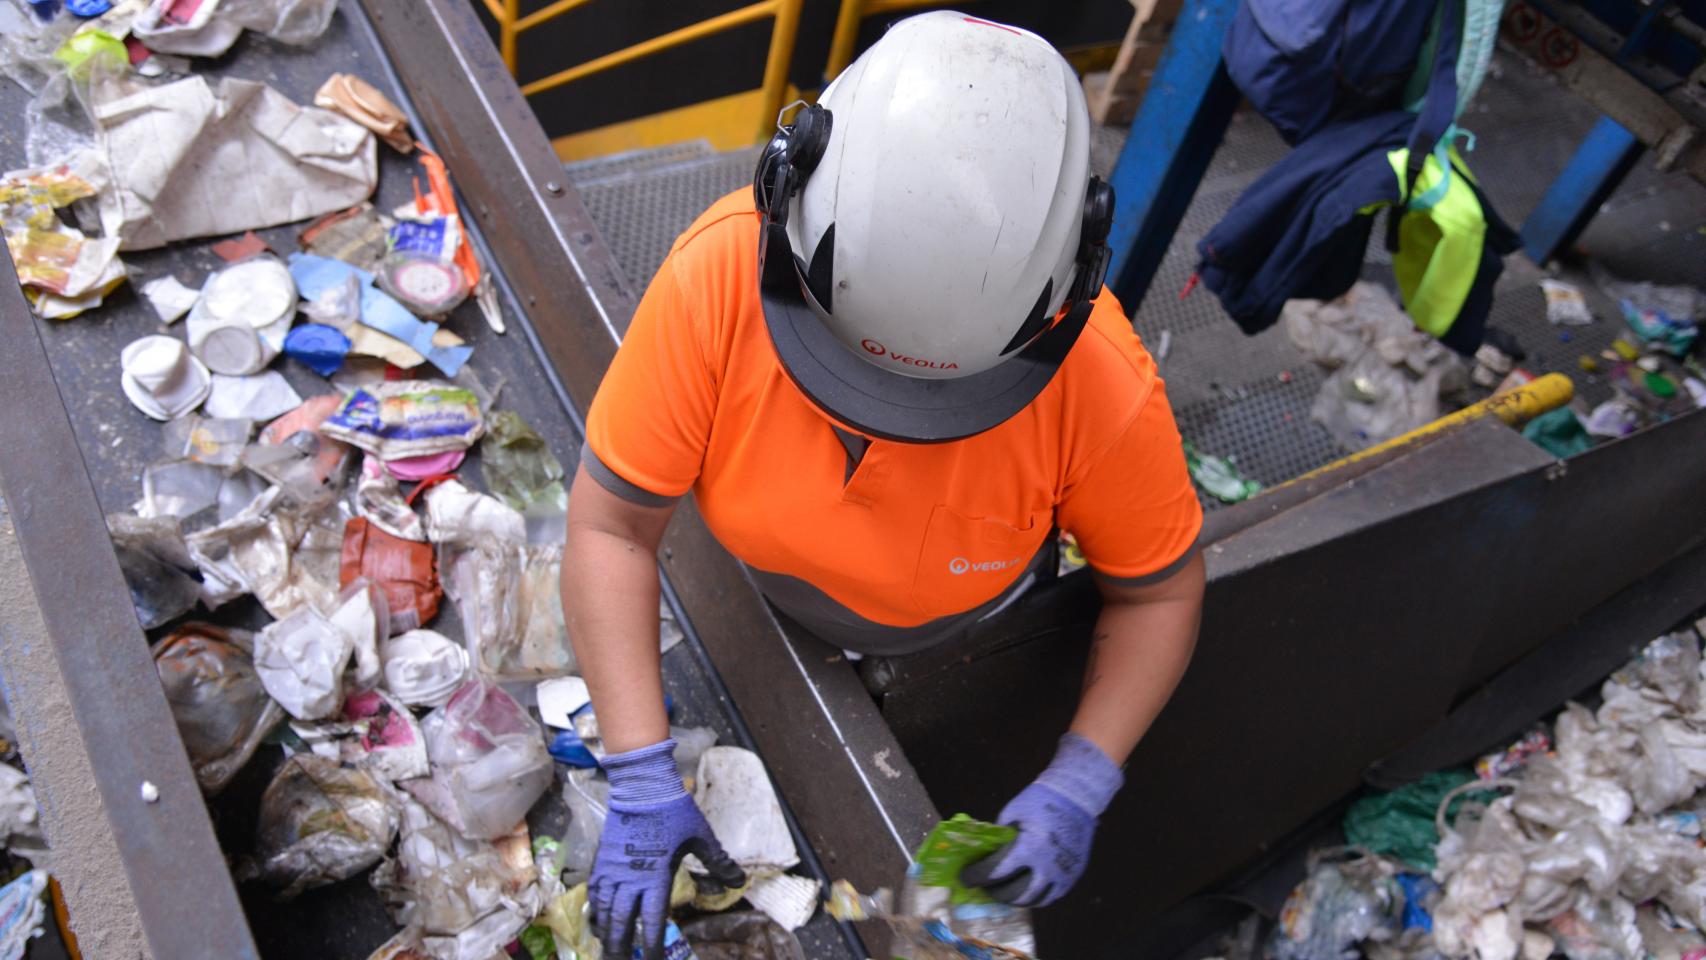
966,561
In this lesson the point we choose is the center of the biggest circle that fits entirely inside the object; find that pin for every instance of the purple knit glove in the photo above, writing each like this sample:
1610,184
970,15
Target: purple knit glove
652,824
1056,816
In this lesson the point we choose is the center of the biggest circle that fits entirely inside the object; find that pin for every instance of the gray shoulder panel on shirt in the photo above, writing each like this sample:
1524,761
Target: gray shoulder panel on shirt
613,482
1150,578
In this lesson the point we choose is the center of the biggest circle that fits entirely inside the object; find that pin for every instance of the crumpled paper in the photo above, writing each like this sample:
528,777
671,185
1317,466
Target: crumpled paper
186,159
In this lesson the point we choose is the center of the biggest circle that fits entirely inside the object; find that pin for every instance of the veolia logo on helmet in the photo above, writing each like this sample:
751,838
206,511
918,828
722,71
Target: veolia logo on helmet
877,349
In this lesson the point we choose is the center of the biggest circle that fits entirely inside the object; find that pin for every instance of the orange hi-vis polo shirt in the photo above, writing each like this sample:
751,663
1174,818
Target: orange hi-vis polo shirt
916,536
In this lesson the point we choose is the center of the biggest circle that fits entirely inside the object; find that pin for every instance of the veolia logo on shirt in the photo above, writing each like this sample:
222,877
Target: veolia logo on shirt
960,565
873,347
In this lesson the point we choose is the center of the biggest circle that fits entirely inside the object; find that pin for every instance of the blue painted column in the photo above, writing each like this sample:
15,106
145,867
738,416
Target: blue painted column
1600,164
1180,123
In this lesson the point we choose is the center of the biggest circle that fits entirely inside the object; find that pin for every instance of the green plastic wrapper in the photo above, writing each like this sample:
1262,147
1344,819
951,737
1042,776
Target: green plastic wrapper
954,844
1400,824
1559,432
518,467
539,943
1218,477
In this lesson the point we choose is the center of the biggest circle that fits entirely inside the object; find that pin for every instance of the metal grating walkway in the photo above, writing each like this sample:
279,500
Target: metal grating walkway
1249,397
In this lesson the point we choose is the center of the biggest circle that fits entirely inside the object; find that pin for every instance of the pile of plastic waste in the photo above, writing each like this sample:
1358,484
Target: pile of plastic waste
1582,841
354,586
1387,376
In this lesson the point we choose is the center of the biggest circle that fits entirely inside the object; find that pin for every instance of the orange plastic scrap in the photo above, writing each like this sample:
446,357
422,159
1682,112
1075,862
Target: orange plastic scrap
442,200
405,571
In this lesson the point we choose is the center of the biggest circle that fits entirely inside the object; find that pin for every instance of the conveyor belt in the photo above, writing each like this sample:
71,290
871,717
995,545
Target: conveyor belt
344,920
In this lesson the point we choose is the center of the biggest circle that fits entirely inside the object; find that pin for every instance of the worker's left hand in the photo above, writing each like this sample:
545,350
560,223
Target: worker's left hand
1056,816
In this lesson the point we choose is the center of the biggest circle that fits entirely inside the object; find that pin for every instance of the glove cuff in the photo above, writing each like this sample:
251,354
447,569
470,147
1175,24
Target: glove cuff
644,776
1083,774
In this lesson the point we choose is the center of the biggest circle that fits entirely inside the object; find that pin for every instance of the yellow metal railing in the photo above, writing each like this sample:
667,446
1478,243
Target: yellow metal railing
1515,407
511,24
847,21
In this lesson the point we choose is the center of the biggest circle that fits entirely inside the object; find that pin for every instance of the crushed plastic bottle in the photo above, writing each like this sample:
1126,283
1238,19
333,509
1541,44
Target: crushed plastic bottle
1218,477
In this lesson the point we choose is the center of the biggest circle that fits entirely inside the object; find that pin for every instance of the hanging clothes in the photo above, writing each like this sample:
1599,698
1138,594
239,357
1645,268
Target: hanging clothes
1302,229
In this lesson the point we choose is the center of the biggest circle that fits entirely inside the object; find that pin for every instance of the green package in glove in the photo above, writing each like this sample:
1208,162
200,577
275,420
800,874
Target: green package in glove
954,844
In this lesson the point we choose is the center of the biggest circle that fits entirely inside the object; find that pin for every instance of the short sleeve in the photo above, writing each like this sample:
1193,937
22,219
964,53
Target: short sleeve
1134,512
651,418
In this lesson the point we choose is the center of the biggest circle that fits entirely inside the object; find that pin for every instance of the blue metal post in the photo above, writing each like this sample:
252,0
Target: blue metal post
1600,164
1183,116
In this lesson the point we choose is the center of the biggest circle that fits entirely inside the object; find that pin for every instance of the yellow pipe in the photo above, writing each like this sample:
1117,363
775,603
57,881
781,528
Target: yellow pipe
547,13
1513,407
496,9
846,35
776,65
507,30
703,28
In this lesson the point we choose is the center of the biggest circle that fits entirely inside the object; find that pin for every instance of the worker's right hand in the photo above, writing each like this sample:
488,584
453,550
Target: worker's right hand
652,824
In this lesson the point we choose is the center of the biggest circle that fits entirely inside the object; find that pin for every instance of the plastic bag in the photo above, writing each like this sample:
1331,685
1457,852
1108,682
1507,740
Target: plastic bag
295,22
320,822
1559,432
1347,897
1370,401
301,458
208,440
569,918
440,882
510,603
286,553
217,699
179,488
587,795
1400,823
489,762
1337,332
519,468
156,565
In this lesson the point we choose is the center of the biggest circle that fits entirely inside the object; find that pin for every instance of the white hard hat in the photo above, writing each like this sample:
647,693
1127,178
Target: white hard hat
938,213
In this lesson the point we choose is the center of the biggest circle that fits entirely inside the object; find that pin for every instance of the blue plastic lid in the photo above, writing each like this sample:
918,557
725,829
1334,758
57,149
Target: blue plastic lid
318,347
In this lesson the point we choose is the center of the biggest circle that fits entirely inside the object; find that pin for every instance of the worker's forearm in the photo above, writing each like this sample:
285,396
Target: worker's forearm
610,606
1139,652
